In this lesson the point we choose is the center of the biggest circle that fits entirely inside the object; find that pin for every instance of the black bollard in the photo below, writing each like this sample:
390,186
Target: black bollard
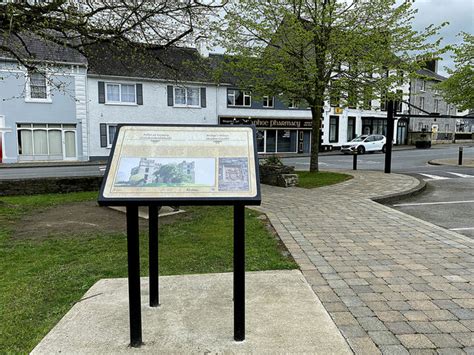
354,161
460,156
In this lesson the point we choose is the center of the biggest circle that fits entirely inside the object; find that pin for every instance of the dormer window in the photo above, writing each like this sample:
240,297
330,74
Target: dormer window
238,98
293,103
268,101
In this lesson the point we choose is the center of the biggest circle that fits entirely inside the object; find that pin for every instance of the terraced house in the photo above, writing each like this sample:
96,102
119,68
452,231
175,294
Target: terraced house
69,108
43,109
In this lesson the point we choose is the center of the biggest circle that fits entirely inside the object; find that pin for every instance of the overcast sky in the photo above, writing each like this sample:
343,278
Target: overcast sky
459,14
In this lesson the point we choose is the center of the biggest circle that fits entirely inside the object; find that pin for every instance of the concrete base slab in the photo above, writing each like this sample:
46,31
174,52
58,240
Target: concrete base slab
196,316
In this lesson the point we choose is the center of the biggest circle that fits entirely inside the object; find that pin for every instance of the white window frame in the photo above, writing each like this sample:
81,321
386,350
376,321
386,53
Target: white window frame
232,93
423,85
293,104
28,97
110,141
120,102
436,105
63,129
421,102
175,104
266,99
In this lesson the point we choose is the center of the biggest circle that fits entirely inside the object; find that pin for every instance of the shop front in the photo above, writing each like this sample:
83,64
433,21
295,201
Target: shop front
277,135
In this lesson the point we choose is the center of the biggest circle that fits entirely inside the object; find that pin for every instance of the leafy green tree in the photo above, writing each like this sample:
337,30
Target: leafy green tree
458,89
85,23
171,173
308,50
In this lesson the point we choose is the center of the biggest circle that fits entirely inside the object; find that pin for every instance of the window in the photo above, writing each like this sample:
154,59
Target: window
293,103
37,88
423,85
436,105
367,98
398,101
186,96
239,98
120,93
260,141
111,130
334,94
286,142
421,103
352,97
400,77
333,129
350,128
46,140
383,102
268,101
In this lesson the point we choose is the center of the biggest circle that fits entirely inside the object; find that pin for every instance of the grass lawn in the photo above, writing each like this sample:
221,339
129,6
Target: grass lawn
42,278
309,179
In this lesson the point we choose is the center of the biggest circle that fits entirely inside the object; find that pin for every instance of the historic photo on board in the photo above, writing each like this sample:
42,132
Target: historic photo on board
166,172
233,174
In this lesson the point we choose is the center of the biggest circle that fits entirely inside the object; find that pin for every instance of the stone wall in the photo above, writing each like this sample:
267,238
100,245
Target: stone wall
49,185
278,175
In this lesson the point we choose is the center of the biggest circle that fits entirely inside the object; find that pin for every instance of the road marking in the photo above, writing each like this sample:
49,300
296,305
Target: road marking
462,229
432,203
434,177
461,175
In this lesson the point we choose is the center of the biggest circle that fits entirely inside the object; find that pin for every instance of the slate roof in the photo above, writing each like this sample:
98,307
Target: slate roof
135,60
40,50
431,74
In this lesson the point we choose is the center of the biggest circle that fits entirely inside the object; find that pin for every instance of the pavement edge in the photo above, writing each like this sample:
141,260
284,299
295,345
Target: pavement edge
401,195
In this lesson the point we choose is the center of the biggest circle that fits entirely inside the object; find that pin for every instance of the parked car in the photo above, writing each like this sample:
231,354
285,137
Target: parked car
365,143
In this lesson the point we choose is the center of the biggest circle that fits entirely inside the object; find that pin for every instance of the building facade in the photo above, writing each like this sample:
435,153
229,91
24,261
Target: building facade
43,111
69,108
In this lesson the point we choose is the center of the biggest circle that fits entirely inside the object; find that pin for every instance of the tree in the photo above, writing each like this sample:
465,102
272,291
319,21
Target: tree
308,50
81,24
458,89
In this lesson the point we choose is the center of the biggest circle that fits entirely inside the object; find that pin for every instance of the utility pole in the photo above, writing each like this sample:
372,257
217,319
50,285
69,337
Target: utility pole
388,143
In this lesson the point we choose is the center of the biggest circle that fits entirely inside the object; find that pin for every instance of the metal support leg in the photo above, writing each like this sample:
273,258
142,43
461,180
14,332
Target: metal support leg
134,277
239,272
354,161
153,256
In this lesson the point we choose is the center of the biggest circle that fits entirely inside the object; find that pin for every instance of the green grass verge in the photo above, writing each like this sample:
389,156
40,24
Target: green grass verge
310,179
41,279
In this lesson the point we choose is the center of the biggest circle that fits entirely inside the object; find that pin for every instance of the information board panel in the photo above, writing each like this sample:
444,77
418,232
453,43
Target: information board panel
158,163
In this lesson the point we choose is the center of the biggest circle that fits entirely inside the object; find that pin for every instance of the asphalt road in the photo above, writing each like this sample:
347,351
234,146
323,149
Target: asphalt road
50,171
448,203
412,160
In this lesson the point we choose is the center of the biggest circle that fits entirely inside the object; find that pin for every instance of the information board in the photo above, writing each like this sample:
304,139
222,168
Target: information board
154,163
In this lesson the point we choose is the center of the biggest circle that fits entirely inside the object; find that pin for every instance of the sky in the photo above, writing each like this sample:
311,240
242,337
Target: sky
459,14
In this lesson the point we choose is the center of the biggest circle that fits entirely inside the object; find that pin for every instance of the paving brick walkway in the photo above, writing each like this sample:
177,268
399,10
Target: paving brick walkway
393,284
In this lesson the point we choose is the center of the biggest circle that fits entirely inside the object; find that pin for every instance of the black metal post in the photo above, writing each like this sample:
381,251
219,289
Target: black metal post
134,300
153,272
460,156
239,272
354,161
389,140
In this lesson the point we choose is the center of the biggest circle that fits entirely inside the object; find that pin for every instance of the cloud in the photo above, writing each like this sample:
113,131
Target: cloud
459,14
